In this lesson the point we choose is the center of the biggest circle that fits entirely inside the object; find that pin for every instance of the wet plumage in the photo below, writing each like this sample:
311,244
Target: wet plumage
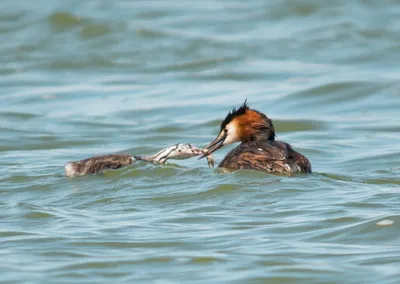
176,152
267,156
258,149
97,164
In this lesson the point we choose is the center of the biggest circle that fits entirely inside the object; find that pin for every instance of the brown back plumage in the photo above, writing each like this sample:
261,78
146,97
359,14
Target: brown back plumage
97,164
268,156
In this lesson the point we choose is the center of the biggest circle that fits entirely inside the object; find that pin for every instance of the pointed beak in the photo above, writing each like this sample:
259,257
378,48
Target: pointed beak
215,145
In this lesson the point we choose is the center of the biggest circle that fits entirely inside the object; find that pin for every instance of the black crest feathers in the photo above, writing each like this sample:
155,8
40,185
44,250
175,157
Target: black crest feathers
234,113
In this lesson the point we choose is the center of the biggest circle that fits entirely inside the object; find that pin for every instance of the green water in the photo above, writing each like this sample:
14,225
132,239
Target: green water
82,78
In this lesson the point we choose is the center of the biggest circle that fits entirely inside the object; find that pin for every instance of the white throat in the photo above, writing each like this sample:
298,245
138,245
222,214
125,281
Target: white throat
232,136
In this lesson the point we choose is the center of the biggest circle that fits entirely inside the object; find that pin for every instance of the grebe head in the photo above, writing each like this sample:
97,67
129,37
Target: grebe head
243,124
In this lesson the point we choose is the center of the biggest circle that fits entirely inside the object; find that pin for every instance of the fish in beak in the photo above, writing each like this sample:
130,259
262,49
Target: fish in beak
215,145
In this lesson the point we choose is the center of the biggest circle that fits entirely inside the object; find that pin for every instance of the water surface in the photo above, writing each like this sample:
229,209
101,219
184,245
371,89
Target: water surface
82,78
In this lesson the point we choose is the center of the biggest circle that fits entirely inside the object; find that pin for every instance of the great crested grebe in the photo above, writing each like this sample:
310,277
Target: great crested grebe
176,152
99,164
259,150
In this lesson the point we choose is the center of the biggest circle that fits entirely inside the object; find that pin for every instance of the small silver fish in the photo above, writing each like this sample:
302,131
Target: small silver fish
176,152
210,158
97,164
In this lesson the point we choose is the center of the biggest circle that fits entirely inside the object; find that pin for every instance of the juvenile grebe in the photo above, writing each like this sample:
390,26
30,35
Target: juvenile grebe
99,164
176,152
259,150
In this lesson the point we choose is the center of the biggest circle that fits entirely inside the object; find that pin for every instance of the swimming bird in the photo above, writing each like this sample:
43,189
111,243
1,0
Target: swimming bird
258,149
98,164
176,152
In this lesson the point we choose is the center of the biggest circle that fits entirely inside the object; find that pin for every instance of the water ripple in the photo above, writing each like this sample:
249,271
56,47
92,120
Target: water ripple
85,78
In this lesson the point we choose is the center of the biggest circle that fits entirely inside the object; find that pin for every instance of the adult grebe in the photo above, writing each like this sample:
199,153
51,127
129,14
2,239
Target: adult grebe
258,150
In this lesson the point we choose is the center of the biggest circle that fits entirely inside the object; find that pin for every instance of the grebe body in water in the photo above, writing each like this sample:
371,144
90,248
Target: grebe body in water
99,164
258,149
